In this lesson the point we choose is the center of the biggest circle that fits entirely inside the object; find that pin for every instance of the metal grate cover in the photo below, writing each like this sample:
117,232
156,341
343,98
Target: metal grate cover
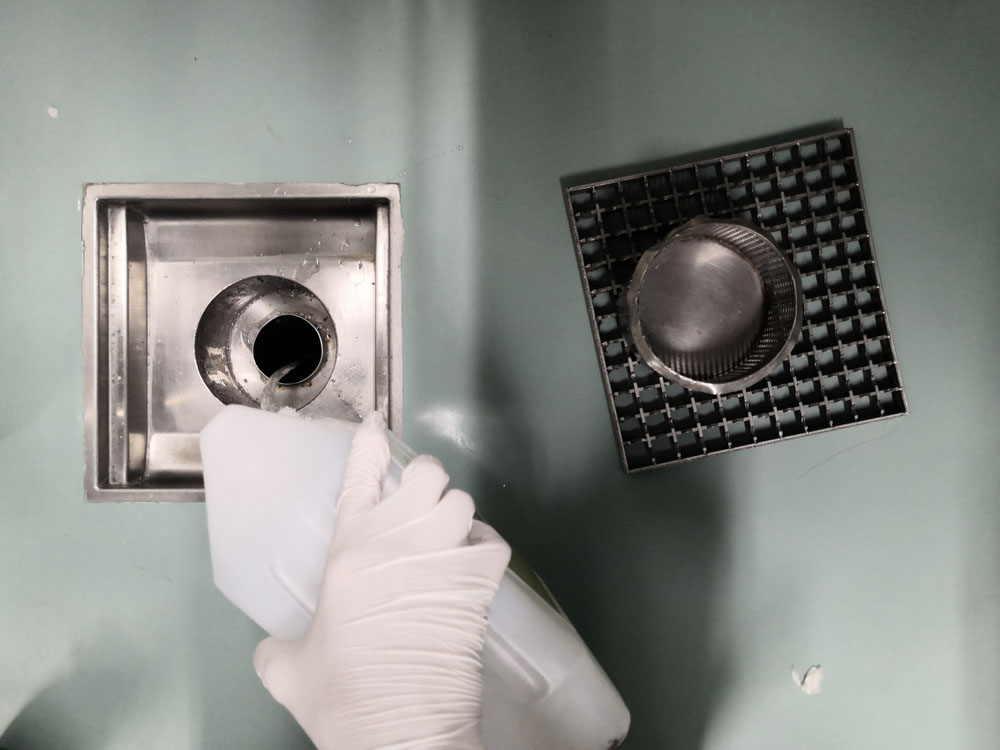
843,369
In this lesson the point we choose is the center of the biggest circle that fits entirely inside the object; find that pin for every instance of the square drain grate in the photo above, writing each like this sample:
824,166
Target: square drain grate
843,370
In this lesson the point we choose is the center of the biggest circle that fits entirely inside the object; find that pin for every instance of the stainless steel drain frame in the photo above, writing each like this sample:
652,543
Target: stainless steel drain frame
808,195
156,255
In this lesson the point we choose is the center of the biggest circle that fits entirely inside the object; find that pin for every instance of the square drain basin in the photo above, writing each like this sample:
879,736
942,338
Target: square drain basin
193,294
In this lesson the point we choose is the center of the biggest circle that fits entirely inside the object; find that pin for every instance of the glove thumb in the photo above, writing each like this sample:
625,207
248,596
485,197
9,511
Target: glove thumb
274,661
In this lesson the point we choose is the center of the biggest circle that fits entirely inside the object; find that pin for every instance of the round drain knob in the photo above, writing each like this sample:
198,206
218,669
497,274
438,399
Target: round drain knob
700,306
715,306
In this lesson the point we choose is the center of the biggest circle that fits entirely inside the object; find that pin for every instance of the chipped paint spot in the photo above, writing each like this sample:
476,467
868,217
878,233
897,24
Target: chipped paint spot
809,683
53,112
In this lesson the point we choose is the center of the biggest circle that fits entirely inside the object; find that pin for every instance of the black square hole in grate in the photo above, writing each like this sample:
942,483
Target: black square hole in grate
808,195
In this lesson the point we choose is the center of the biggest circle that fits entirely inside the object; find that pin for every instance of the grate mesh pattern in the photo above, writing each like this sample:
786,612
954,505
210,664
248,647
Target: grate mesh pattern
843,369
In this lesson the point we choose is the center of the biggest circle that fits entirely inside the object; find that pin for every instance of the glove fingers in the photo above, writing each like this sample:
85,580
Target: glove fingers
366,469
401,616
274,662
414,580
495,551
445,526
423,482
482,533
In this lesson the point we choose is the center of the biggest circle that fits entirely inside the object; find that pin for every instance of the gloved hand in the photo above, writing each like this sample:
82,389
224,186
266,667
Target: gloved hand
393,656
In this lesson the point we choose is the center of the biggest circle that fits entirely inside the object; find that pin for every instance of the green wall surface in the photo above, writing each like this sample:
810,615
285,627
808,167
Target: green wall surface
874,550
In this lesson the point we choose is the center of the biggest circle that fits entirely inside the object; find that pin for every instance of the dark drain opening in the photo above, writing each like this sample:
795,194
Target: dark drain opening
287,339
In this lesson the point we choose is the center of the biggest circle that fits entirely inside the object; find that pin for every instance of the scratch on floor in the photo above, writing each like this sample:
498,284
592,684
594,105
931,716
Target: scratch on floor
826,460
426,161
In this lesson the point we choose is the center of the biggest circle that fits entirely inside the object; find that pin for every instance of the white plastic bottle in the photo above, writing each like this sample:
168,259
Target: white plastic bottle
271,487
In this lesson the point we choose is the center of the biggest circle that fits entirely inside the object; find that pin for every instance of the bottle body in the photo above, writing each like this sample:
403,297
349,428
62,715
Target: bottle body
271,485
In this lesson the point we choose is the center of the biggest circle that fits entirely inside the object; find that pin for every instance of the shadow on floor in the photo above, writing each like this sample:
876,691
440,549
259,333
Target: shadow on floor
72,712
636,561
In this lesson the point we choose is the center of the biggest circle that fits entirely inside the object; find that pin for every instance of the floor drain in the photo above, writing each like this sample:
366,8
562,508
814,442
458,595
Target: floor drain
284,340
255,327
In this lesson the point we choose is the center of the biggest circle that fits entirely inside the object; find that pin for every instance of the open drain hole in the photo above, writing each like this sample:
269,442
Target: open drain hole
287,339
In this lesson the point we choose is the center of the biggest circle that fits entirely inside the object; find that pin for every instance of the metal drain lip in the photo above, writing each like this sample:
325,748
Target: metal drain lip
715,306
228,329
156,255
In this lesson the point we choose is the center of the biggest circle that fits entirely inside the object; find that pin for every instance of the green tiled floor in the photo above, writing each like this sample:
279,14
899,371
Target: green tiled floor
873,550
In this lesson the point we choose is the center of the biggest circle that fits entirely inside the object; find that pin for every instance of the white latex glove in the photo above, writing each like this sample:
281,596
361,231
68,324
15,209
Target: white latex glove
393,658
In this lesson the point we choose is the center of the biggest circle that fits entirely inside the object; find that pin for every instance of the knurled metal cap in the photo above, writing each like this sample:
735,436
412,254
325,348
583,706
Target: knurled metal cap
715,306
